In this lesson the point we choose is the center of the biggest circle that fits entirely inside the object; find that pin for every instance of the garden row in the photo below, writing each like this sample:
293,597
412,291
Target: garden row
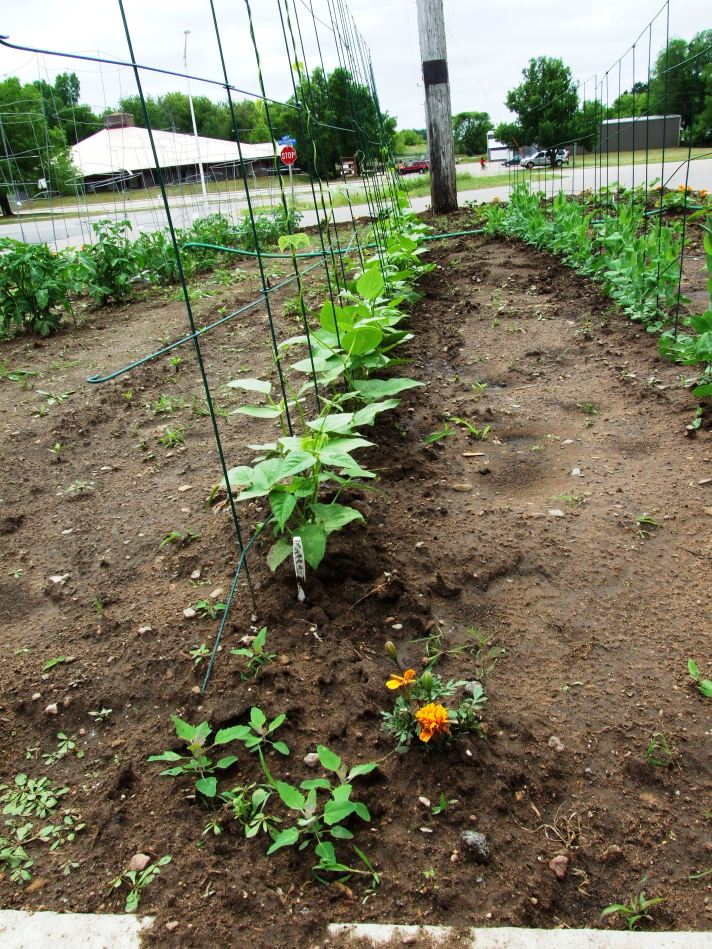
39,285
632,253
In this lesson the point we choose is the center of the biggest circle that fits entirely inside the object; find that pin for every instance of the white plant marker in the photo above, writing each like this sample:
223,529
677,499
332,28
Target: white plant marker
300,567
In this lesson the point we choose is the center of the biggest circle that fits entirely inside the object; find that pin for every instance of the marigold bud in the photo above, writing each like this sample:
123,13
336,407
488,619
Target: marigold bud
391,650
426,680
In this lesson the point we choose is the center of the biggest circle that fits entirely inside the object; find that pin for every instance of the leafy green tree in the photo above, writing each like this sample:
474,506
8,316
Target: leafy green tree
29,148
470,132
681,83
545,103
407,137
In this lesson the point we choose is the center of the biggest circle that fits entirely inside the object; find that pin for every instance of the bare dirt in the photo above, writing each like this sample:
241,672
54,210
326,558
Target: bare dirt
532,535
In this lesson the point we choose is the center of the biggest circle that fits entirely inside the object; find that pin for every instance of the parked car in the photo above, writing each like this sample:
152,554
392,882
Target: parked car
514,160
415,167
542,158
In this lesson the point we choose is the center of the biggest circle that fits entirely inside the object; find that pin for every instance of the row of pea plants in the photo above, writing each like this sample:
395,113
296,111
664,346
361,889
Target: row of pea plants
304,472
38,286
638,266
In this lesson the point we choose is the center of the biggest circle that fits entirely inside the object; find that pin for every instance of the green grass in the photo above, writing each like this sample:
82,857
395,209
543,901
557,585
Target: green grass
638,157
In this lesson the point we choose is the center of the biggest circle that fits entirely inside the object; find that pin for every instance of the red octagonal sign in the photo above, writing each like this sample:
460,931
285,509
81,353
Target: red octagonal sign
288,155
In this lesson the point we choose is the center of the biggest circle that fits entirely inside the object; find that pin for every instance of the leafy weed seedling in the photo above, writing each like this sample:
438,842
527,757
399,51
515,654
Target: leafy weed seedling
181,538
659,754
137,881
172,437
704,685
255,653
636,909
66,745
195,762
207,610
480,434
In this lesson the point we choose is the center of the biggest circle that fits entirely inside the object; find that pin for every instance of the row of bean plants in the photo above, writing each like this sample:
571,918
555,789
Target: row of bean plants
304,471
637,262
38,285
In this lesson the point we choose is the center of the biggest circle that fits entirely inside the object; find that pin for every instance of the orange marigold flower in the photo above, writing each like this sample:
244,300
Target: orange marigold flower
397,682
433,721
703,192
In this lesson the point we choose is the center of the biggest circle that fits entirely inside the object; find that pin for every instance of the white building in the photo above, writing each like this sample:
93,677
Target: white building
120,155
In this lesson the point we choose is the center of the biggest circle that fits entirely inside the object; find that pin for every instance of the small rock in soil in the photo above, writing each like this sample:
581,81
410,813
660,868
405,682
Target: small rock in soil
476,846
708,511
555,512
424,801
195,575
555,743
311,760
611,854
576,473
139,862
189,612
558,866
60,578
36,696
145,629
52,709
217,593
462,486
174,924
426,830
444,587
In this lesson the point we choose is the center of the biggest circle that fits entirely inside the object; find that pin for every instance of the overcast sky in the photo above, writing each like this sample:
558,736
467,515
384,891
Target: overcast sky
489,42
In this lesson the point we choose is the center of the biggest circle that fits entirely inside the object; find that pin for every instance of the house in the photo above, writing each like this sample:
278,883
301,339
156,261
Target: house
120,156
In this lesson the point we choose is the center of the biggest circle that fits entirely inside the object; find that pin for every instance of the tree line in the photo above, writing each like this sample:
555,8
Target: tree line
39,122
551,109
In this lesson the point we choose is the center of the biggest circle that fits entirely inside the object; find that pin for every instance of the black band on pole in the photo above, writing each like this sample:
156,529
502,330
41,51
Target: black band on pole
435,72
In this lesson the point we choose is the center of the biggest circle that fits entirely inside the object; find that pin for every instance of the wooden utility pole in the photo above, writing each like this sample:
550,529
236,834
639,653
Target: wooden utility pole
438,111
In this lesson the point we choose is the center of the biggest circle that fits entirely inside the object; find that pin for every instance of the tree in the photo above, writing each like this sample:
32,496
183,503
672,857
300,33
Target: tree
545,104
470,131
29,148
681,83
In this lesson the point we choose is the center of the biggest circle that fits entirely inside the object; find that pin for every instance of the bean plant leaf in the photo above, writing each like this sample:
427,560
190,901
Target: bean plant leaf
361,339
332,317
251,385
333,517
372,389
257,718
278,553
370,284
282,503
367,415
314,543
258,411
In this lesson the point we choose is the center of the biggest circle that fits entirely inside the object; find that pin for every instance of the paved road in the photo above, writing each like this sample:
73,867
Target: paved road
75,231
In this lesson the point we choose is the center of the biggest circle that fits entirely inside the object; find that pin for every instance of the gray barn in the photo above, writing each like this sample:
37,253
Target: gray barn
639,132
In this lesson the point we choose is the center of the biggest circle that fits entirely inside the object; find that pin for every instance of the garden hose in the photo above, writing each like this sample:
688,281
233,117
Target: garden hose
318,253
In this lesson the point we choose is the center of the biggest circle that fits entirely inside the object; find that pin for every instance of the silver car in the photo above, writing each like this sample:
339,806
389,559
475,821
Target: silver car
541,158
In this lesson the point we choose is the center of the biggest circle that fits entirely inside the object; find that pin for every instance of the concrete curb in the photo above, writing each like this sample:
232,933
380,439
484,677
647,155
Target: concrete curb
21,930
378,934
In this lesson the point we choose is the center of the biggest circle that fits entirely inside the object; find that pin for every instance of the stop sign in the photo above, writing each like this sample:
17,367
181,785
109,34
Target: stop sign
287,155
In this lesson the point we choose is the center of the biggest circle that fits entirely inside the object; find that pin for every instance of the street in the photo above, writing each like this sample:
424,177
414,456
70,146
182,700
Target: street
72,227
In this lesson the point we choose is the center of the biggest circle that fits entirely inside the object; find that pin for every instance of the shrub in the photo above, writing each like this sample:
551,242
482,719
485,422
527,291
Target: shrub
35,287
111,263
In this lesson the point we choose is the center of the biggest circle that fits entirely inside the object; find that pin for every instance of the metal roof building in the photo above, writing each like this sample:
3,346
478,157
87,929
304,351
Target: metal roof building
639,132
121,156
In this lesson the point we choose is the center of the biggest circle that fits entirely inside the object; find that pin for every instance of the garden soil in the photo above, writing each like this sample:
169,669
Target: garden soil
533,535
